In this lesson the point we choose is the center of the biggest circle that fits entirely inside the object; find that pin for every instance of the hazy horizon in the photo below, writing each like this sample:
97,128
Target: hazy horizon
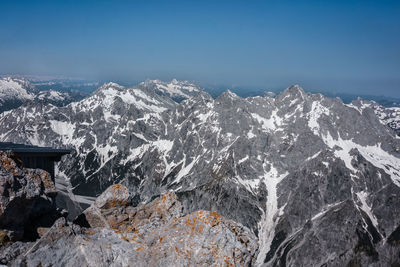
342,47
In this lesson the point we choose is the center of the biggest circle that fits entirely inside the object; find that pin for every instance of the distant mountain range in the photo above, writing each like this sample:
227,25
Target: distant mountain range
80,88
15,92
345,97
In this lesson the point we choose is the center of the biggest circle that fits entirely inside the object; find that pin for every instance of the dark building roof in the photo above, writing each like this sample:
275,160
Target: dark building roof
36,157
21,148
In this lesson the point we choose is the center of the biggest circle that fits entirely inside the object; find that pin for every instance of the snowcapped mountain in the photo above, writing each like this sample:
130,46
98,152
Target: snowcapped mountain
389,116
316,180
54,97
16,91
102,129
177,90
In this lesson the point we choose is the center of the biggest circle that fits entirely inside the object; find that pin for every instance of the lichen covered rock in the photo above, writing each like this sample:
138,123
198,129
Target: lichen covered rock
152,234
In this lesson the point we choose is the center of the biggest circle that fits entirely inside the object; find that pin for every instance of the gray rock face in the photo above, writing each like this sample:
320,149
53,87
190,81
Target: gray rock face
26,199
154,234
9,252
389,116
284,167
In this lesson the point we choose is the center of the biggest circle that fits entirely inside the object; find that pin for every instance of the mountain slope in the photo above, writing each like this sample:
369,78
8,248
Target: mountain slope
389,116
101,129
307,174
14,92
54,97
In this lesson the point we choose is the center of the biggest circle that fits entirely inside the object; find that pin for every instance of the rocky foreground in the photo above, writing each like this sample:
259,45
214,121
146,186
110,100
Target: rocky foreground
111,232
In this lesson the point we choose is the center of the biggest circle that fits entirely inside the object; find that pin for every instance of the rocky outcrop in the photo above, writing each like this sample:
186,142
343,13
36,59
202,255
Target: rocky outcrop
163,235
26,199
153,234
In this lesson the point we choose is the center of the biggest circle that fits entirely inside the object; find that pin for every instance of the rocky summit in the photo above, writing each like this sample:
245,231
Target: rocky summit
306,179
112,232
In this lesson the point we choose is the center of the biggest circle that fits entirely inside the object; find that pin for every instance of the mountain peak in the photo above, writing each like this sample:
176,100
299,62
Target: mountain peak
229,93
291,93
109,86
112,84
177,90
295,89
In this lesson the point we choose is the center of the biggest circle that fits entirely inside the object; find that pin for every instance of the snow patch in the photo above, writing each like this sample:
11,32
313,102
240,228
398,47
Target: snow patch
313,156
362,196
317,110
65,130
270,124
243,159
130,98
269,218
185,170
374,154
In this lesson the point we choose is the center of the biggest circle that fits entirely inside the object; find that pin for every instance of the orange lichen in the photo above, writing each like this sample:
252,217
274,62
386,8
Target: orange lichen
42,230
90,232
228,261
117,190
8,164
139,248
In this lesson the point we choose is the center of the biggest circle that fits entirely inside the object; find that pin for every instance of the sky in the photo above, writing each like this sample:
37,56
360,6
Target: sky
336,46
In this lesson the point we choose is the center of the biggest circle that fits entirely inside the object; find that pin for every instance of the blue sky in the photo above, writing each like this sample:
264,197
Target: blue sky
341,46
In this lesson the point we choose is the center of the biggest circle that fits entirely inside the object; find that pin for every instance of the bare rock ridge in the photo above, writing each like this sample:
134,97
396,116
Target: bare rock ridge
317,182
114,233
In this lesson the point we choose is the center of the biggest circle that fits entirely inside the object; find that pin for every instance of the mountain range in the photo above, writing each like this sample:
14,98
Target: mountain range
315,180
15,92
